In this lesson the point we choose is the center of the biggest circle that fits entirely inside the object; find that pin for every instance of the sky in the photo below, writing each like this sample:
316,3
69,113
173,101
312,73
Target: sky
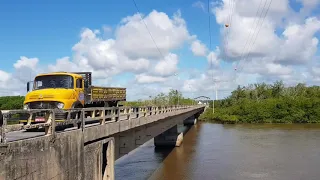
166,45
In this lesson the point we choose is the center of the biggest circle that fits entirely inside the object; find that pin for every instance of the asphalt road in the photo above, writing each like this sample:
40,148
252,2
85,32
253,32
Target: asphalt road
18,135
23,134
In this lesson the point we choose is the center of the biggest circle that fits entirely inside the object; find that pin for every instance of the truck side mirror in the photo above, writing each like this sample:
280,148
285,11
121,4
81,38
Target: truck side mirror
28,83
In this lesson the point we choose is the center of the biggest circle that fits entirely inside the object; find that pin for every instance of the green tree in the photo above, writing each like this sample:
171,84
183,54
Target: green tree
265,103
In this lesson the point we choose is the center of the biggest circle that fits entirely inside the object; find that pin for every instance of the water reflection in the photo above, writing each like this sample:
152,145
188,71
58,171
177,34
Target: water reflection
179,163
141,163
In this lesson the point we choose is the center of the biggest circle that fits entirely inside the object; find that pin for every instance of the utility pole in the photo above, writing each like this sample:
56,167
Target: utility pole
216,92
212,106
178,97
213,101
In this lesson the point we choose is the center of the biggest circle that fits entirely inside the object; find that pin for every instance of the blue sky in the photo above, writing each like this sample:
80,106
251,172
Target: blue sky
47,31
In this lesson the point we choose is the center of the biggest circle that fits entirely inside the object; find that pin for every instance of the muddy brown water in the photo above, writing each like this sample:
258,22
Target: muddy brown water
230,152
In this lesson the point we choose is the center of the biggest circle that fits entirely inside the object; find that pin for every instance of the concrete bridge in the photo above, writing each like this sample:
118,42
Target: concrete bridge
87,151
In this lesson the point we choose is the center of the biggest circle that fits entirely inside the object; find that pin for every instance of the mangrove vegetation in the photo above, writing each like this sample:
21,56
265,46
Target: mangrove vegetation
268,103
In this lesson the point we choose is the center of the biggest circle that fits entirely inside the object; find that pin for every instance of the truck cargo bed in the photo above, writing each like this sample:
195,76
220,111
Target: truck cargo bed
107,94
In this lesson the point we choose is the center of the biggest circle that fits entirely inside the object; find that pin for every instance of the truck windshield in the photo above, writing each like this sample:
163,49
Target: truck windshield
53,81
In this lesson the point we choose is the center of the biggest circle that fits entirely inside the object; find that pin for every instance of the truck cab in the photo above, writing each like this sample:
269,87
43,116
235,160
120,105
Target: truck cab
58,90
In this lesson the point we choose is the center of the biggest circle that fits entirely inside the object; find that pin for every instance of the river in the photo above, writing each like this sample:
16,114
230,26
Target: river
231,152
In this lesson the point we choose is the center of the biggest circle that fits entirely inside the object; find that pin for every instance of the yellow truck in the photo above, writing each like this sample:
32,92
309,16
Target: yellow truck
68,90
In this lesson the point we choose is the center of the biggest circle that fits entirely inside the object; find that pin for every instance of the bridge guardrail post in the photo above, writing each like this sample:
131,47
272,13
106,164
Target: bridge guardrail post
53,123
82,119
128,113
50,122
29,118
3,128
103,116
117,114
145,110
137,111
112,113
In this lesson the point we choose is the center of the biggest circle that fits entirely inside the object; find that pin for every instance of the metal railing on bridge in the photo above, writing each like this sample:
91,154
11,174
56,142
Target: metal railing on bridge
101,116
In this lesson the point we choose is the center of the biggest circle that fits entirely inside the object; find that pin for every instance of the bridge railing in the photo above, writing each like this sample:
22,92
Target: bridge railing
79,117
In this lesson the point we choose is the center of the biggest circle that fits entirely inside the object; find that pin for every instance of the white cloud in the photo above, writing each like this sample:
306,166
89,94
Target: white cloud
4,76
269,54
213,57
167,66
198,48
64,64
299,43
199,4
133,39
144,78
15,83
25,62
107,29
309,5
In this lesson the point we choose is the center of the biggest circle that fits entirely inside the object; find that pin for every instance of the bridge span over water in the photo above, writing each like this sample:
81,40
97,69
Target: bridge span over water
87,151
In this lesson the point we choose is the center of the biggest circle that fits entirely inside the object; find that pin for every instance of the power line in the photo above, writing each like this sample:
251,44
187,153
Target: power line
210,42
259,29
210,58
228,25
249,36
258,17
135,4
227,36
249,47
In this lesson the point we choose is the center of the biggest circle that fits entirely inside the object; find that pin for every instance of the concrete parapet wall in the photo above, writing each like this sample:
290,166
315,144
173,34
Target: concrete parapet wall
42,158
105,130
65,157
14,127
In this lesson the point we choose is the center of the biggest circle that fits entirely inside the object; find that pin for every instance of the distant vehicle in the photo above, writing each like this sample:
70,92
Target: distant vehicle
68,90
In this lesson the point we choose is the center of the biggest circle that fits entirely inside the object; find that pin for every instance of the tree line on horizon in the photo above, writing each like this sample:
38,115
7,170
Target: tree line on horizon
268,103
172,98
11,102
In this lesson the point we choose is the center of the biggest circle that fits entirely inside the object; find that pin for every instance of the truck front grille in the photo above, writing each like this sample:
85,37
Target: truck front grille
42,105
46,105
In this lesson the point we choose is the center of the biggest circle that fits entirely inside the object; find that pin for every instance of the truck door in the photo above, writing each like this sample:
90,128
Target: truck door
79,90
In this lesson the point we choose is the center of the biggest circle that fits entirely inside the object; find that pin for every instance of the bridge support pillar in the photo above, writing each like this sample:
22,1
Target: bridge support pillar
170,137
99,160
190,121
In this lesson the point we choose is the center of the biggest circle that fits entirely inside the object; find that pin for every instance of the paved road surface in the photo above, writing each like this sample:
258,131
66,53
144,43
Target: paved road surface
18,135
22,134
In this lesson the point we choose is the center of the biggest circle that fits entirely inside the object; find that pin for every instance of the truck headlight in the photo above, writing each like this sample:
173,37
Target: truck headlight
25,107
60,105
